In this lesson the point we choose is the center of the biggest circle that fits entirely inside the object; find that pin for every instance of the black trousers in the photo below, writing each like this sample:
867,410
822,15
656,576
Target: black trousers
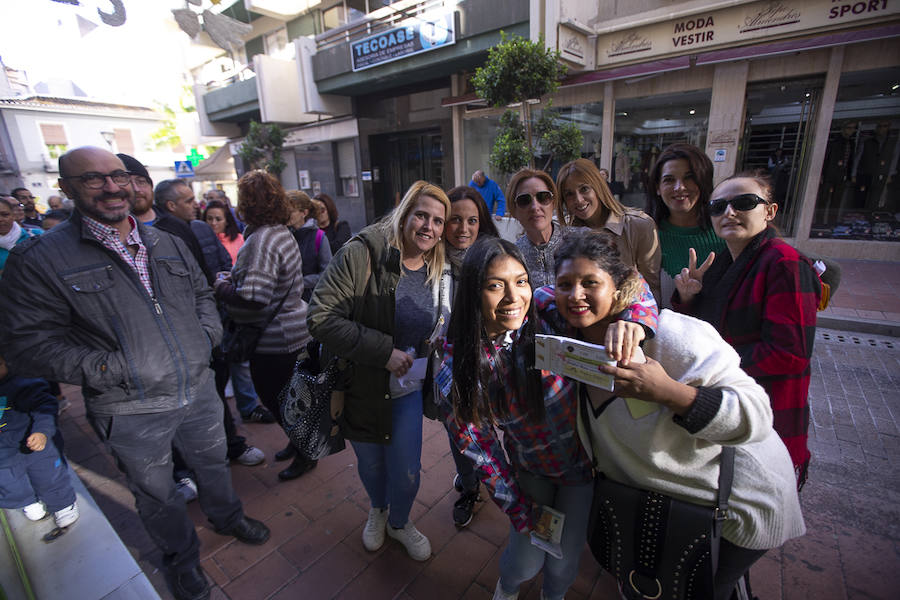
270,373
141,445
734,561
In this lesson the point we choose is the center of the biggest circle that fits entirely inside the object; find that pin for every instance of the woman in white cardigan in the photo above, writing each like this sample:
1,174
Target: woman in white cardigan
688,400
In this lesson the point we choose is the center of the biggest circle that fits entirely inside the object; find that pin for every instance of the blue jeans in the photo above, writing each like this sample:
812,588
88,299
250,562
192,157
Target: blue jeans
465,468
390,472
245,398
521,560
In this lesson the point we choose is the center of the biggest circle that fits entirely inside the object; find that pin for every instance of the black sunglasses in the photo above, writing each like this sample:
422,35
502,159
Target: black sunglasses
742,202
525,200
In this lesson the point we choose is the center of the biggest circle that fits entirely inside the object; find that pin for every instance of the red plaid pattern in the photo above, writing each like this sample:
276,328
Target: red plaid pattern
109,237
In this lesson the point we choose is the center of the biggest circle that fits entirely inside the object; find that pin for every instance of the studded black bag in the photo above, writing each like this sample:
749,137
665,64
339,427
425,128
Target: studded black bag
655,545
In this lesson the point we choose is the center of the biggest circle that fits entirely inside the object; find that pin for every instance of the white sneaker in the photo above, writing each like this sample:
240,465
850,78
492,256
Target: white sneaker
373,532
187,489
499,594
251,456
35,512
66,516
417,545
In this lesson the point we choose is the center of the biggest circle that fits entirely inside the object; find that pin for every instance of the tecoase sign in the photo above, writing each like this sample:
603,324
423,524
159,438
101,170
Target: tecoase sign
418,35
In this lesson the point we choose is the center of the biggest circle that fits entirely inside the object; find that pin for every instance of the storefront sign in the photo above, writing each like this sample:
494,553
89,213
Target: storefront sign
720,155
573,45
765,19
414,37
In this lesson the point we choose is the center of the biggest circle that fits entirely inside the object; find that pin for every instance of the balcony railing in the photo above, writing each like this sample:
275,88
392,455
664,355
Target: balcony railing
383,19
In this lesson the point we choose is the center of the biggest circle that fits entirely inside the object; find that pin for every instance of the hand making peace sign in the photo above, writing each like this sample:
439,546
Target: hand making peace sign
690,281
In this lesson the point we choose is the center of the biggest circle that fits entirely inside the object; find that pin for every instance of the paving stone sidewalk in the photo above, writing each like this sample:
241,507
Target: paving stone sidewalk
851,505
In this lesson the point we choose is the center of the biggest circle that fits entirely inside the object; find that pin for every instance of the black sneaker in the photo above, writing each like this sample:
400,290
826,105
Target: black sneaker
465,507
260,414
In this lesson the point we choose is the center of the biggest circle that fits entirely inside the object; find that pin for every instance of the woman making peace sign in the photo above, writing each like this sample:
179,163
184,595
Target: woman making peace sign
762,297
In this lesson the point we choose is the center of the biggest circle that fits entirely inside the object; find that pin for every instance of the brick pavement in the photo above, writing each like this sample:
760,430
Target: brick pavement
851,505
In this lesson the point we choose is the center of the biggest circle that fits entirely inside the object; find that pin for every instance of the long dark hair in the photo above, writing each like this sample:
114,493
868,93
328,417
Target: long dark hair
701,167
470,392
485,222
231,227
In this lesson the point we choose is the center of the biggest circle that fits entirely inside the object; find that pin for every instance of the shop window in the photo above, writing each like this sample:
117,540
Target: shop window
777,140
643,127
589,120
55,141
858,191
346,152
479,134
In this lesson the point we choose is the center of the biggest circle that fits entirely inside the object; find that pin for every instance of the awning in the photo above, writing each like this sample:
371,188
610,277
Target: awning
218,167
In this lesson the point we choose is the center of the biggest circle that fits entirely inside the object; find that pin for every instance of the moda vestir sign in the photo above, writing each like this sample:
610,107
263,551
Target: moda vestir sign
414,37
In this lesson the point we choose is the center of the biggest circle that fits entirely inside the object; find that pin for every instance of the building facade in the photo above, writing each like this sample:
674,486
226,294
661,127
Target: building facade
804,89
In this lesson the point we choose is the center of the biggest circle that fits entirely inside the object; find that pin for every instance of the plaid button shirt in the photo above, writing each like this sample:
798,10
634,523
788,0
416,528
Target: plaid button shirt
109,237
548,449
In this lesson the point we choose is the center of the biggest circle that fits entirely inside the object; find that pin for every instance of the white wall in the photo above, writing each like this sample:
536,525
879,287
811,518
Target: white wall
39,172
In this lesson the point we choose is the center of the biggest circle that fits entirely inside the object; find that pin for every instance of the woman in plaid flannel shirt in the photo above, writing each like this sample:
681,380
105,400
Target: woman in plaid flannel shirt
761,296
492,385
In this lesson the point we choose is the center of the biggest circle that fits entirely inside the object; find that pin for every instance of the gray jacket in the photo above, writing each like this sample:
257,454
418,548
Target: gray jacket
73,311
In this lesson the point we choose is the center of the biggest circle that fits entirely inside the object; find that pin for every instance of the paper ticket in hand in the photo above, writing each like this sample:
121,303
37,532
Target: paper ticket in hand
547,532
575,359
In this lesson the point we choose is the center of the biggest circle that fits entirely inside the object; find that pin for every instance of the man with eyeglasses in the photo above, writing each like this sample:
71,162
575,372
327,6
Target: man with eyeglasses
125,312
26,199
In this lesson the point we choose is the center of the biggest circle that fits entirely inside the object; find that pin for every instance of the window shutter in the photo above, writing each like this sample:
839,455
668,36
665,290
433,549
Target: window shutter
124,141
54,135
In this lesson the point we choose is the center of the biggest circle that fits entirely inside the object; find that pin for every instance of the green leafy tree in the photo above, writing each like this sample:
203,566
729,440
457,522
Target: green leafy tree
562,141
511,151
262,147
518,70
167,135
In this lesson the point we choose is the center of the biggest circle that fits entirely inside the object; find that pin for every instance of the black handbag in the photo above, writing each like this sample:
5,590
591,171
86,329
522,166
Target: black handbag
655,545
239,340
312,402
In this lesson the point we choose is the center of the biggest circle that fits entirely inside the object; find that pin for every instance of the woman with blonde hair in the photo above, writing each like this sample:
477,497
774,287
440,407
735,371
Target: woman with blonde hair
399,265
585,201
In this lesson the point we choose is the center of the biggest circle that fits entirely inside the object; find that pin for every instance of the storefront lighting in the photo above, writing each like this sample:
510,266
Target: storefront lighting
895,86
692,111
622,114
807,94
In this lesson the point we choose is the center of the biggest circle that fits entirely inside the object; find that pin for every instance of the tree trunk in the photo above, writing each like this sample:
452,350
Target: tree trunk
526,120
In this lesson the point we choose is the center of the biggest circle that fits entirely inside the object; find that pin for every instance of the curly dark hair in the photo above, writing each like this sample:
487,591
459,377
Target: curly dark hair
262,200
600,248
702,170
470,391
231,227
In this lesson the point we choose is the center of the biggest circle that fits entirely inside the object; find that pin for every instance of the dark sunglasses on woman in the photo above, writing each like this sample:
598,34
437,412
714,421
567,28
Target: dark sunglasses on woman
742,202
525,200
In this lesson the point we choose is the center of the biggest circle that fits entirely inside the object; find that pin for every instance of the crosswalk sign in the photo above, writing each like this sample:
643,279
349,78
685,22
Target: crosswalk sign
184,168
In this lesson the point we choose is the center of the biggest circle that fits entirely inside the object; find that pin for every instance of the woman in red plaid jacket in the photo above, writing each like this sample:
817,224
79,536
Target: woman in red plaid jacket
762,297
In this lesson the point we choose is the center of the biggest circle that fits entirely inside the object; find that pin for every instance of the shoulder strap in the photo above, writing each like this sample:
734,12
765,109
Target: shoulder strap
319,235
726,477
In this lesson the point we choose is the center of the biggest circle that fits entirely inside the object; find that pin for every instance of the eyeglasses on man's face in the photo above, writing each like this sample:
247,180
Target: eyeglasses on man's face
94,180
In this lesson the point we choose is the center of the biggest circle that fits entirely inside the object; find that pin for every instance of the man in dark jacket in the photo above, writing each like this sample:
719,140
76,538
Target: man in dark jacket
124,311
176,197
